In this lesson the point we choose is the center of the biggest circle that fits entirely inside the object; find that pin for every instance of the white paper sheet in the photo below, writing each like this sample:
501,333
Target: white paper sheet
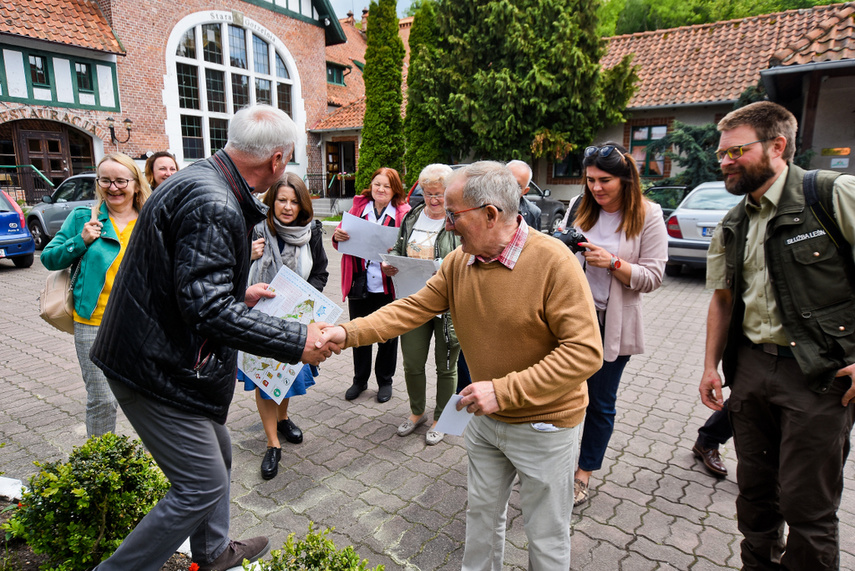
295,300
412,274
367,239
453,421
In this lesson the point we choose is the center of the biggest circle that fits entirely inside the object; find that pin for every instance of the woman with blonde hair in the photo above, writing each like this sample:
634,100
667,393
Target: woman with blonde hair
423,235
287,237
93,242
626,251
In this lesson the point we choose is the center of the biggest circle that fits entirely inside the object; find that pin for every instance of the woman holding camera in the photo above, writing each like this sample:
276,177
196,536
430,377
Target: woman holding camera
625,254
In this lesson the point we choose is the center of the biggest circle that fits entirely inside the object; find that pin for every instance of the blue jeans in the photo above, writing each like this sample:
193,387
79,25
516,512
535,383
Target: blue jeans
600,414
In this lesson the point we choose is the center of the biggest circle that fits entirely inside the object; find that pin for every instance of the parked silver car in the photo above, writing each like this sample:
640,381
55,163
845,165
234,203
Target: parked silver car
691,226
45,219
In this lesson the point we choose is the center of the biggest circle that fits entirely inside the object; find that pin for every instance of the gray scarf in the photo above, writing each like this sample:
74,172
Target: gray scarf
265,268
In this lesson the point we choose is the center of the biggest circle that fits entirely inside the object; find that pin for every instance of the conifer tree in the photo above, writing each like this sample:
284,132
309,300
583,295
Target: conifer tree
382,135
516,78
423,138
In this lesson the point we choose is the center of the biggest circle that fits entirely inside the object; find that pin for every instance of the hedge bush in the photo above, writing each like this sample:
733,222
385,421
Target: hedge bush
78,512
316,552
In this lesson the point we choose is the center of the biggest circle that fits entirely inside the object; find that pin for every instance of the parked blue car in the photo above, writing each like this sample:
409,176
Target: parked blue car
16,242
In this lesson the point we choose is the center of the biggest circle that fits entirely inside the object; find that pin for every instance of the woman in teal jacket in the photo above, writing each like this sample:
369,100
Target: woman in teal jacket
92,241
423,235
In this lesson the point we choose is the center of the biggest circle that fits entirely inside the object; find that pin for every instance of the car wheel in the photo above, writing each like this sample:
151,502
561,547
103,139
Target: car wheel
24,261
39,236
673,270
556,222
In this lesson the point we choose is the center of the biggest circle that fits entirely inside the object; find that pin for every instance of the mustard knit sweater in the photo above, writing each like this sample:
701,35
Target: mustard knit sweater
532,330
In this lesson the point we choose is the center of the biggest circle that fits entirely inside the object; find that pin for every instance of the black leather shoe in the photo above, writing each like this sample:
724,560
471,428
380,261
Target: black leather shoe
711,459
290,431
270,463
354,391
384,393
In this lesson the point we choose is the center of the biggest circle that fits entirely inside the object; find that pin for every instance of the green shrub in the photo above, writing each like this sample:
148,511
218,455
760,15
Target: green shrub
78,512
315,553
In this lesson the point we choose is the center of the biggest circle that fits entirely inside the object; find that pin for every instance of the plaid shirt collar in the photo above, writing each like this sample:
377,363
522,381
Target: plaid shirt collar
511,253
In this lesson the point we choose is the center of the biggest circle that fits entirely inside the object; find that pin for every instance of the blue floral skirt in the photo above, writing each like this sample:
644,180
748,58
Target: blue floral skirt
304,380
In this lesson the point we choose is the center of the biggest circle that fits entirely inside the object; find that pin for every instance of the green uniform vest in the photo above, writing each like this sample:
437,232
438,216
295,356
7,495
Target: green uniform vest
813,281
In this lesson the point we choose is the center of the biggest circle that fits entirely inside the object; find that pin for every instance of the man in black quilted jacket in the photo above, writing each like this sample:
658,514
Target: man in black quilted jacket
178,313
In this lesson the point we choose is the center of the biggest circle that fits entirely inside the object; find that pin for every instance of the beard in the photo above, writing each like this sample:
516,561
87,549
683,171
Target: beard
751,176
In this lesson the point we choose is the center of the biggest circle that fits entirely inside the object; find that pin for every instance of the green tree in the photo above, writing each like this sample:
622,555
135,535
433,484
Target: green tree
633,16
691,147
412,10
382,135
424,139
516,78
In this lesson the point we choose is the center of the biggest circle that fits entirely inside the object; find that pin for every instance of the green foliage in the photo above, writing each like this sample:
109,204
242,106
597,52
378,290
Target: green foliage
412,10
632,16
424,139
516,78
315,553
78,512
751,94
382,134
693,148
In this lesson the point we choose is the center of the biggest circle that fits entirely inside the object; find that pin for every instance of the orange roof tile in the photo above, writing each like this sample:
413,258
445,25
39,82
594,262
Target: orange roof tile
833,39
715,62
69,22
347,117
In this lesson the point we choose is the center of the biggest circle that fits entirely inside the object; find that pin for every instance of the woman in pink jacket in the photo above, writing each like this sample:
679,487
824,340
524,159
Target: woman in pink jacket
627,247
365,286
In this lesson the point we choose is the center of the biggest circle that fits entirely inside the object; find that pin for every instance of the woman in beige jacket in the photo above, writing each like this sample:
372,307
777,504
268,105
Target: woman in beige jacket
626,251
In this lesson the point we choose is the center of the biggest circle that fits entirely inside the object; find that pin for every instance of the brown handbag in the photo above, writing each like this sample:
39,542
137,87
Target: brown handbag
56,302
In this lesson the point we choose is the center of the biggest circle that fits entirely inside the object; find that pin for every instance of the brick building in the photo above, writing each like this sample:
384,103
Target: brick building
168,74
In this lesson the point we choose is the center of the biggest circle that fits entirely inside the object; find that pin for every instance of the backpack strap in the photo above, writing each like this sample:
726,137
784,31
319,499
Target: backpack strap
822,208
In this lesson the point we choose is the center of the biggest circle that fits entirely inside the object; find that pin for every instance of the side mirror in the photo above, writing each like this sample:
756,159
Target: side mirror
46,199
547,193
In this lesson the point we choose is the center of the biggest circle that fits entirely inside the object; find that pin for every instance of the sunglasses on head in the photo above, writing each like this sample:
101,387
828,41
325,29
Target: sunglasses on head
603,151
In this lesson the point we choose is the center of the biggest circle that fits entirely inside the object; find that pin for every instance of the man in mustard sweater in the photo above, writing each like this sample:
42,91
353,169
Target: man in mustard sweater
525,319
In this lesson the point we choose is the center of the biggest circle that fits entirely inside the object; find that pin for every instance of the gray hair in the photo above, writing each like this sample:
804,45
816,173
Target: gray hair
261,130
518,163
434,174
489,182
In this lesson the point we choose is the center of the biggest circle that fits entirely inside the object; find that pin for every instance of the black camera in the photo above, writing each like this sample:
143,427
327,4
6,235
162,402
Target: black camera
571,237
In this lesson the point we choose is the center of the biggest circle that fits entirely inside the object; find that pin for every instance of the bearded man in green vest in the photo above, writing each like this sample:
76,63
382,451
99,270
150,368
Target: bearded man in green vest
782,324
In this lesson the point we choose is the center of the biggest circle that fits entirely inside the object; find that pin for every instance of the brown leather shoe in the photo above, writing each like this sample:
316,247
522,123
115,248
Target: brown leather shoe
232,558
711,459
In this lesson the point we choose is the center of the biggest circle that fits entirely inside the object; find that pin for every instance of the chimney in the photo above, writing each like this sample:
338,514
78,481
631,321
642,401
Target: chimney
364,19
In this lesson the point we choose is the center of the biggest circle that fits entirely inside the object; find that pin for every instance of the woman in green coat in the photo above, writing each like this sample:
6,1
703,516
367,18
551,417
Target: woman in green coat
92,241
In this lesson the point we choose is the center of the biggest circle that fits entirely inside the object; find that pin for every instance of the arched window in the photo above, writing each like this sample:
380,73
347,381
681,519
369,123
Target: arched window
221,67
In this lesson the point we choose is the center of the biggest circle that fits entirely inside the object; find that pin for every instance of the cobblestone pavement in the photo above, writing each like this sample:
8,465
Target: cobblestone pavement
400,502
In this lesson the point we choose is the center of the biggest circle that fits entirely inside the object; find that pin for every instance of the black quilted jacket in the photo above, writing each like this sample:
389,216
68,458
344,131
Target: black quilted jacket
176,316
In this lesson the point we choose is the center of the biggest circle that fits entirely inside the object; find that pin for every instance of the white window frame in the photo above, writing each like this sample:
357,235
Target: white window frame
252,28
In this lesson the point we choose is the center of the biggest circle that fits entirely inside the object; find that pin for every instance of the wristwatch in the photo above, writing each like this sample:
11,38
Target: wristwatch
614,264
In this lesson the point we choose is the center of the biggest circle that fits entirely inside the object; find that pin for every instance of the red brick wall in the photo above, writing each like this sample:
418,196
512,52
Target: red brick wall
144,28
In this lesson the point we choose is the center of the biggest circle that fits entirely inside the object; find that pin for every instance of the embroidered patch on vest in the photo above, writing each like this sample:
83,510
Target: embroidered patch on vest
800,237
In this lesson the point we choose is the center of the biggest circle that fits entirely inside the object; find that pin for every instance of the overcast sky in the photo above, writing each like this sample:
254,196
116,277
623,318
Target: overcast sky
342,6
